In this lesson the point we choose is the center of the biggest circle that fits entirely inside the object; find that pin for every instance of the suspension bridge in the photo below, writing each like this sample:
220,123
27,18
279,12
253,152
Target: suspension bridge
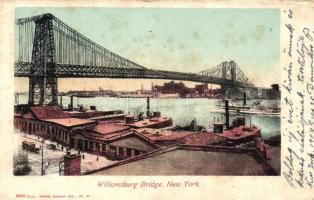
49,49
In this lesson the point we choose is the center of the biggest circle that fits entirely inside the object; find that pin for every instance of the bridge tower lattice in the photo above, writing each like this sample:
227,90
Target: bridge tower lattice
43,82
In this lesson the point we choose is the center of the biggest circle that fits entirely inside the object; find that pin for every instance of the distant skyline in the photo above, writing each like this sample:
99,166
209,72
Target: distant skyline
180,39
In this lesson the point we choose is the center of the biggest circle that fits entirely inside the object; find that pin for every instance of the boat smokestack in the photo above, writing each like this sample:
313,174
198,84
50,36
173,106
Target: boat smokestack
61,101
227,113
71,105
244,98
148,107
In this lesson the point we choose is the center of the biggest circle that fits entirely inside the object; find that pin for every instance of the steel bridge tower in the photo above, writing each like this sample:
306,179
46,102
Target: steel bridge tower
43,82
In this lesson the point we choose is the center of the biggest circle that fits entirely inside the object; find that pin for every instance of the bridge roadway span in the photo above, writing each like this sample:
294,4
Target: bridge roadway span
82,71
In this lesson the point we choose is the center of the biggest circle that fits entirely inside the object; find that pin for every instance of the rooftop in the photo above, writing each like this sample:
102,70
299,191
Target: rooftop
108,117
203,139
84,114
28,115
180,161
240,132
149,122
163,135
69,122
109,136
48,112
107,128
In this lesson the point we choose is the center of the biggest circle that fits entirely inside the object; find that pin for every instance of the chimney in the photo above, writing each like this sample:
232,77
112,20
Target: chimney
72,165
227,113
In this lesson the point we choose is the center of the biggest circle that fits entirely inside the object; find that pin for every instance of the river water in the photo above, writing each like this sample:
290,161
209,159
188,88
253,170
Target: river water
182,111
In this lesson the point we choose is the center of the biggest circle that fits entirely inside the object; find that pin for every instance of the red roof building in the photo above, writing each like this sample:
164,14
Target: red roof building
163,137
155,122
109,128
48,112
200,139
241,135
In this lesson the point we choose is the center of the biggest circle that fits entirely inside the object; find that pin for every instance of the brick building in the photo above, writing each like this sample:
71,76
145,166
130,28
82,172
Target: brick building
113,137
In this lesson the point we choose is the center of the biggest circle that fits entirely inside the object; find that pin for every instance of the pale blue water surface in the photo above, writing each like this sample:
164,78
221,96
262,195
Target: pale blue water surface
182,111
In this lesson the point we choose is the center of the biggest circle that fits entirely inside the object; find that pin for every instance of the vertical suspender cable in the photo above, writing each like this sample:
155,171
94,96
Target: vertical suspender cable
84,54
91,56
28,39
56,41
94,55
61,45
72,49
25,39
64,48
76,51
19,32
67,50
22,46
25,42
22,40
28,42
88,58
80,54
70,56
65,45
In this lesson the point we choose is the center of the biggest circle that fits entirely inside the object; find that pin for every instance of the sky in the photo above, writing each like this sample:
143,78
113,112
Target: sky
175,39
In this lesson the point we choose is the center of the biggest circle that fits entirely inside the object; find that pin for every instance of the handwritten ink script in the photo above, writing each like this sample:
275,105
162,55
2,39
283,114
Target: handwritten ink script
298,103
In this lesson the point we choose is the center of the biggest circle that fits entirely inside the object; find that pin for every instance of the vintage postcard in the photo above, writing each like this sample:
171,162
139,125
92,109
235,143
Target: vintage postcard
167,99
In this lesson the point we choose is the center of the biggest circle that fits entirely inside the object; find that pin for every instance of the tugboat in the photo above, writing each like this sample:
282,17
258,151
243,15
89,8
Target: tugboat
255,109
264,112
258,109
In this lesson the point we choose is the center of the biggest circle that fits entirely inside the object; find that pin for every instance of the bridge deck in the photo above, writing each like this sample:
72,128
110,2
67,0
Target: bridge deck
77,71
